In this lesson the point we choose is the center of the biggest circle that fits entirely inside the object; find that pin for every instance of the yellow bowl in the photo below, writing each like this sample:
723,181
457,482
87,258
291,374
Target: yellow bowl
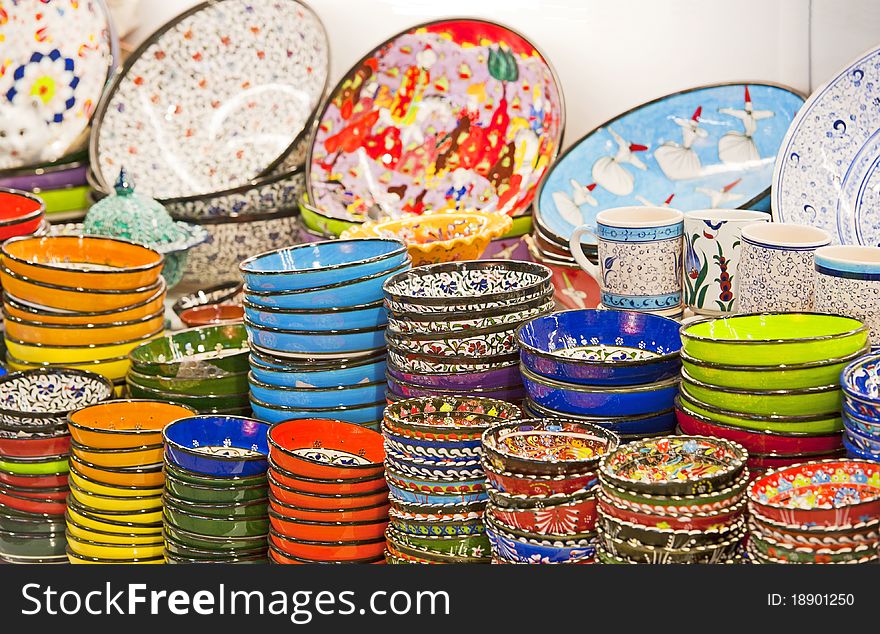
57,355
117,458
124,424
147,476
99,488
114,369
81,532
92,334
144,521
106,550
94,262
73,558
451,236
112,502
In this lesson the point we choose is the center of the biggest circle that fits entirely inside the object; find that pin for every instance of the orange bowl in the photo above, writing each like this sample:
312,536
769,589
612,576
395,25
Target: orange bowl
93,262
327,531
211,315
124,424
344,486
278,556
328,551
146,476
360,514
118,458
305,500
85,335
16,307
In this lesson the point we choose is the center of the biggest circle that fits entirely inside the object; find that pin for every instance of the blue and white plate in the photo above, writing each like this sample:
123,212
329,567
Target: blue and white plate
709,147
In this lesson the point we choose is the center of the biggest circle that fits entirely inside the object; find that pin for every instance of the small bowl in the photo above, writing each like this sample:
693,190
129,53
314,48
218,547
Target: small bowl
328,550
370,315
42,398
21,213
33,332
222,510
211,315
143,521
217,445
326,501
42,465
227,292
21,309
369,414
209,351
668,538
316,344
230,494
90,485
35,502
510,547
112,551
452,417
343,486
354,514
327,531
227,384
112,537
141,476
103,503
206,526
127,458
31,544
316,374
123,424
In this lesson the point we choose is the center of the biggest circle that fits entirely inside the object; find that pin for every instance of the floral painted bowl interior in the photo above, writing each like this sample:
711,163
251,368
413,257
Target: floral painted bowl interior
830,484
453,114
861,378
328,442
51,391
550,441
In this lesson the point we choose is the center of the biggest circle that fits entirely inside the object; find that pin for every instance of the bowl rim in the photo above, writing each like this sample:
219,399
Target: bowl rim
686,358
324,496
236,287
656,386
534,539
804,391
270,178
406,265
253,381
89,326
339,408
344,364
399,248
776,418
110,450
99,560
754,514
324,544
4,251
91,346
355,509
273,466
126,432
85,509
96,378
445,482
287,452
747,342
127,487
753,485
332,310
135,470
18,304
28,217
168,442
74,487
317,523
322,333
453,316
748,430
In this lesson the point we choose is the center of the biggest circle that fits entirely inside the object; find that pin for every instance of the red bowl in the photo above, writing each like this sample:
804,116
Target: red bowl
211,314
276,555
38,493
342,486
328,551
28,504
35,447
292,436
327,531
570,518
518,484
20,213
361,514
696,521
306,500
35,481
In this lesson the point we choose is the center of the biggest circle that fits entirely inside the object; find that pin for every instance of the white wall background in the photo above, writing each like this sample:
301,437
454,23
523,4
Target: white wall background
613,54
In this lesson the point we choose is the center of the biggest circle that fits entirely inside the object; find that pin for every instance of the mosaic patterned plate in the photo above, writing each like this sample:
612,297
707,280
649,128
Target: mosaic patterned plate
215,98
454,114
55,57
709,147
827,174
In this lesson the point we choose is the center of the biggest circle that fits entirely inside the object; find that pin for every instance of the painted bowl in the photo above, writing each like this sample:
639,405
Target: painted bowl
209,351
146,521
203,403
567,518
218,545
677,504
37,353
667,538
353,514
499,377
512,548
652,423
230,494
22,309
217,445
445,365
208,526
370,315
327,531
451,417
119,458
316,374
697,521
431,469
344,486
864,443
601,347
451,323
326,449
859,382
348,395
600,400
112,537
781,552
211,315
40,501
435,528
75,558
514,483
767,339
113,369
123,424
33,332
141,476
41,465
103,503
328,550
366,415
400,390
21,213
443,545
646,554
42,399
311,344
220,482
476,343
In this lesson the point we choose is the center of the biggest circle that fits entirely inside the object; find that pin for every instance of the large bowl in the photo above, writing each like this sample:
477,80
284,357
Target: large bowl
326,551
16,307
21,213
368,414
204,404
124,424
309,500
643,424
601,347
208,526
209,351
139,476
326,449
113,369
472,343
228,384
118,458
217,445
344,486
73,353
347,395
310,344
35,332
316,374
464,382
39,399
370,315
211,315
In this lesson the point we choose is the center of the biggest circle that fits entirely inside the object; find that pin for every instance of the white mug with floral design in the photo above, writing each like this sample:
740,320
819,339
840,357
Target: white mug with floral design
640,251
711,255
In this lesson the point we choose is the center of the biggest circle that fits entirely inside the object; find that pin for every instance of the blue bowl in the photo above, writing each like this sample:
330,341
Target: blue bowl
653,423
367,415
186,441
317,374
600,401
508,547
862,409
862,441
351,292
866,426
405,495
343,395
338,343
613,347
345,318
854,452
321,263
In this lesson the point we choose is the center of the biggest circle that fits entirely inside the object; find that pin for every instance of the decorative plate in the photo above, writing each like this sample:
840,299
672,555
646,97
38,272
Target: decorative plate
709,147
215,98
55,57
826,175
454,114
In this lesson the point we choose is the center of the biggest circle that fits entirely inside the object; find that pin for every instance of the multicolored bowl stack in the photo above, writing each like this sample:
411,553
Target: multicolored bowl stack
114,510
34,444
861,408
327,492
770,382
617,369
825,512
316,326
676,499
204,368
542,490
452,327
432,464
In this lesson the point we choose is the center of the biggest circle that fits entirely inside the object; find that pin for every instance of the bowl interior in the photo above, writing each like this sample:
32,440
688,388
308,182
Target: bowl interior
220,436
473,280
129,416
206,342
52,390
329,442
671,459
321,255
822,484
772,327
550,440
87,254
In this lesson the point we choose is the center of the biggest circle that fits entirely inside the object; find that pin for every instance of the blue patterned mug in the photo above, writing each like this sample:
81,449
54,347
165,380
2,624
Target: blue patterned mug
640,253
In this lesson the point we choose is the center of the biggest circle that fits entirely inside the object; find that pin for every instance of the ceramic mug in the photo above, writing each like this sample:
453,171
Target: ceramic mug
848,283
639,258
776,271
711,256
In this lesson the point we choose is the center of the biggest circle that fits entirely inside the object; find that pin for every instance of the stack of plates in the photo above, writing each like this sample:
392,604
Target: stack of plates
617,369
21,214
114,513
677,499
542,490
216,496
328,497
79,302
825,512
432,462
452,327
204,368
861,408
316,325
770,382
34,443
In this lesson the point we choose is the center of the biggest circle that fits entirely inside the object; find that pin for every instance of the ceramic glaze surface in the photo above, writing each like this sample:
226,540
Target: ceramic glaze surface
775,278
705,147
214,100
851,297
330,456
51,392
862,378
672,459
832,484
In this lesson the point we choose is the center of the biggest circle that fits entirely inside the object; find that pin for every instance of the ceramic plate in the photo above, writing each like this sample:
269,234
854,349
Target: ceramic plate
55,56
453,114
214,99
827,173
710,147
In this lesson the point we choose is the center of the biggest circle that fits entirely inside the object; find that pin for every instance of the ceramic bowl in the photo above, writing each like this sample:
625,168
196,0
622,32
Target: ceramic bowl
140,476
706,554
400,390
601,347
864,443
118,458
499,377
369,414
476,343
317,374
142,521
217,445
37,353
188,553
315,344
211,315
853,420
326,449
230,494
113,369
370,315
697,521
347,395
652,423
434,446
103,502
38,501
221,482
123,424
373,512
21,213
227,293
859,382
328,550
326,501
22,309
30,523
75,558
84,334
766,339
517,549
344,486
327,531
447,495
107,550
781,552
218,545
34,480
451,323
438,528
203,403
41,465
91,485
241,509
208,526
209,351
31,544
515,484
42,399
450,417
112,537
222,384
575,516
470,545
667,538
437,364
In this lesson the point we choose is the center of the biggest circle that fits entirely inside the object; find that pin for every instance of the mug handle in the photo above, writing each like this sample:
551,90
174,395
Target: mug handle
574,245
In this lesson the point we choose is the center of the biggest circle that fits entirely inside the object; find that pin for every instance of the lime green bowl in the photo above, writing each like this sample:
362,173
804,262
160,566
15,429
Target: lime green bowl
763,377
773,339
813,425
40,466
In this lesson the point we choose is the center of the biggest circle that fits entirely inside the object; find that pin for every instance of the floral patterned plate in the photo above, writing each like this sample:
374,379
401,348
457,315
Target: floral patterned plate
214,99
454,114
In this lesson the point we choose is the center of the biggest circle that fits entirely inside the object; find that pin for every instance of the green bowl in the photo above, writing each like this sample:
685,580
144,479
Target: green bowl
771,339
737,489
171,558
813,401
66,199
189,492
197,353
13,521
226,384
35,466
769,548
814,425
467,544
203,404
201,479
184,550
32,544
217,544
217,527
253,508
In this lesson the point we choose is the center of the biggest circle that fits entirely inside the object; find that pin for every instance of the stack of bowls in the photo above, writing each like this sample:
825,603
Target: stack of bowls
61,185
676,499
34,443
80,302
861,408
614,368
204,368
114,512
770,382
542,490
824,512
225,294
313,312
451,327
216,495
21,214
327,492
432,462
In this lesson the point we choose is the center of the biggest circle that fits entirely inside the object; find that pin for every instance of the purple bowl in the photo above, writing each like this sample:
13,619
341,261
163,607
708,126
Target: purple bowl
493,379
51,179
510,394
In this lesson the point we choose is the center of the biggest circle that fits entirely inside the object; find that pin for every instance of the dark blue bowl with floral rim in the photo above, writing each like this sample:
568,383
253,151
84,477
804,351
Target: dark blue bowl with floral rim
516,549
218,445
